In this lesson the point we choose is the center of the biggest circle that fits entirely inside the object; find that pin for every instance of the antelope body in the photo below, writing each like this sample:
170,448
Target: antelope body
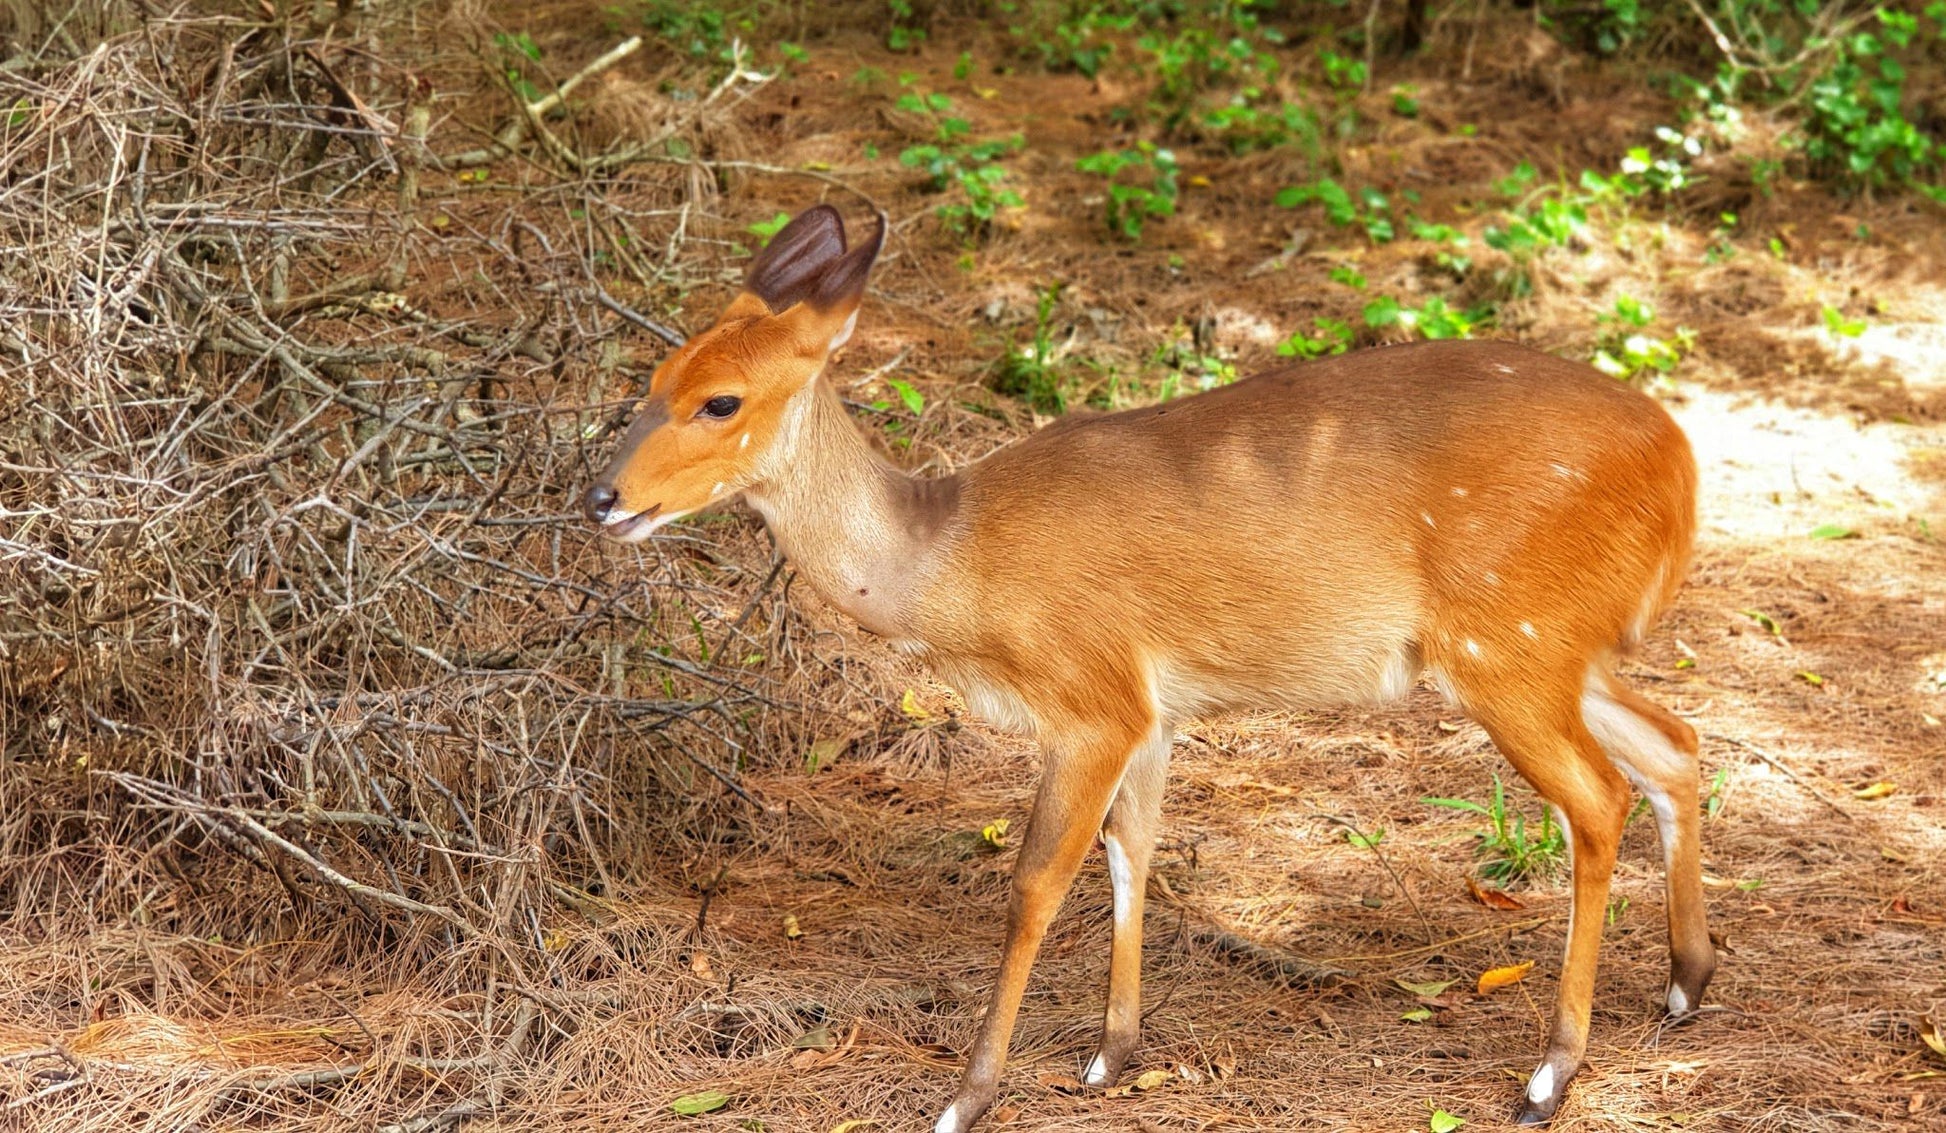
1494,519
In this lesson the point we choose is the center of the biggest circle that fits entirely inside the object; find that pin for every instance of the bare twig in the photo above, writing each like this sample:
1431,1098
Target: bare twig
1786,771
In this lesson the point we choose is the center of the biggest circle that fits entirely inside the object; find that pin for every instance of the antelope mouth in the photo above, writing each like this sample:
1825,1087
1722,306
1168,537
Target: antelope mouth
630,528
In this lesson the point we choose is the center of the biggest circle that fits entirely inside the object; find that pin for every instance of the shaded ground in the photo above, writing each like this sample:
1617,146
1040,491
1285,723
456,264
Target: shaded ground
1814,668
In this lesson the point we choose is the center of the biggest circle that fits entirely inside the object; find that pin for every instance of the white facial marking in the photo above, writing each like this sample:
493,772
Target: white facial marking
844,333
1540,1087
745,442
1528,629
1678,1002
647,529
1097,1074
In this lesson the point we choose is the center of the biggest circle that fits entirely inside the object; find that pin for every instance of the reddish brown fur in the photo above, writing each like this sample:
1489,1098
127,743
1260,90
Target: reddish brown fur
1497,518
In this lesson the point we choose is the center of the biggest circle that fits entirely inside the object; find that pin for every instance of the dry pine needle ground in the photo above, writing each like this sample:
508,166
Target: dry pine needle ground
348,784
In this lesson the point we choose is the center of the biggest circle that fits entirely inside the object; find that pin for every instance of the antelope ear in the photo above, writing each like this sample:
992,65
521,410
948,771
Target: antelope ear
789,268
812,286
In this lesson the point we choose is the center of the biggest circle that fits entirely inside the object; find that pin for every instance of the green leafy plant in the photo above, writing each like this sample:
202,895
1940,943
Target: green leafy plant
1509,849
1369,209
1071,37
763,230
1450,239
1435,318
1032,371
1627,349
1342,72
1713,803
1856,121
1550,222
1246,127
1334,336
520,45
972,168
905,32
1131,204
1190,366
912,399
1838,326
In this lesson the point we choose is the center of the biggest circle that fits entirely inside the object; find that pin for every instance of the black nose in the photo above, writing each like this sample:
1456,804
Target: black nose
596,503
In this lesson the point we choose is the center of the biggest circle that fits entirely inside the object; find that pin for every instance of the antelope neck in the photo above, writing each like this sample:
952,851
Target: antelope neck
858,529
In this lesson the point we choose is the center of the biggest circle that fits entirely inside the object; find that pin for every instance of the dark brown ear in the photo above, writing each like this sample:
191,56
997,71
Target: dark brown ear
807,261
843,283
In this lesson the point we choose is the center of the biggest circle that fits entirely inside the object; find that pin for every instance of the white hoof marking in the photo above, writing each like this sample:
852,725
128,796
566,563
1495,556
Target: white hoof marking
1540,1087
948,1121
1678,1002
1097,1074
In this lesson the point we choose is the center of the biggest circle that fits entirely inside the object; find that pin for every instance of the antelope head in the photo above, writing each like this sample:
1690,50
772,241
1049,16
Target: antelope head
723,413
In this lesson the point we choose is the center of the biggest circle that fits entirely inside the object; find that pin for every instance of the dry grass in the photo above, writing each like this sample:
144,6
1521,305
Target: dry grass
349,784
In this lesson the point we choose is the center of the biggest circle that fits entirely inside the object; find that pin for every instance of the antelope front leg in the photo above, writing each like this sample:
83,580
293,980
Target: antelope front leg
1069,807
1129,834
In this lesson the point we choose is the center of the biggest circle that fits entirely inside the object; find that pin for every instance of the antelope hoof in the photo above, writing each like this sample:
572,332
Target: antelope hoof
1545,1089
963,1114
1686,985
1104,1069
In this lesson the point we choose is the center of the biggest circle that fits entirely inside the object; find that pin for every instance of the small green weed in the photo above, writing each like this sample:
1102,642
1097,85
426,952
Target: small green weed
1433,319
1627,349
519,45
904,32
1130,206
1713,804
1510,851
1032,372
971,167
1838,326
1334,336
1370,210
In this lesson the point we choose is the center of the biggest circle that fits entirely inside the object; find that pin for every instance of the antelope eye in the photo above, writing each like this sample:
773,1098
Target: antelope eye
720,407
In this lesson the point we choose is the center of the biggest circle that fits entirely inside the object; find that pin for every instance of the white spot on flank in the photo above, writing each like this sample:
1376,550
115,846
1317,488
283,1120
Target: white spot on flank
1678,1002
718,490
1503,367
1540,1087
1427,516
1459,492
1492,579
1473,647
1528,629
1097,1074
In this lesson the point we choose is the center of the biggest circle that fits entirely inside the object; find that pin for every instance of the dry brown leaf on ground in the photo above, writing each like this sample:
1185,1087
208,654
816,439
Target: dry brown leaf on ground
1492,898
1493,979
1933,1035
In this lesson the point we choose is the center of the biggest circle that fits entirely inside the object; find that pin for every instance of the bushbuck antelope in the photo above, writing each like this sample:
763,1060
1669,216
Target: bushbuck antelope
1495,519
